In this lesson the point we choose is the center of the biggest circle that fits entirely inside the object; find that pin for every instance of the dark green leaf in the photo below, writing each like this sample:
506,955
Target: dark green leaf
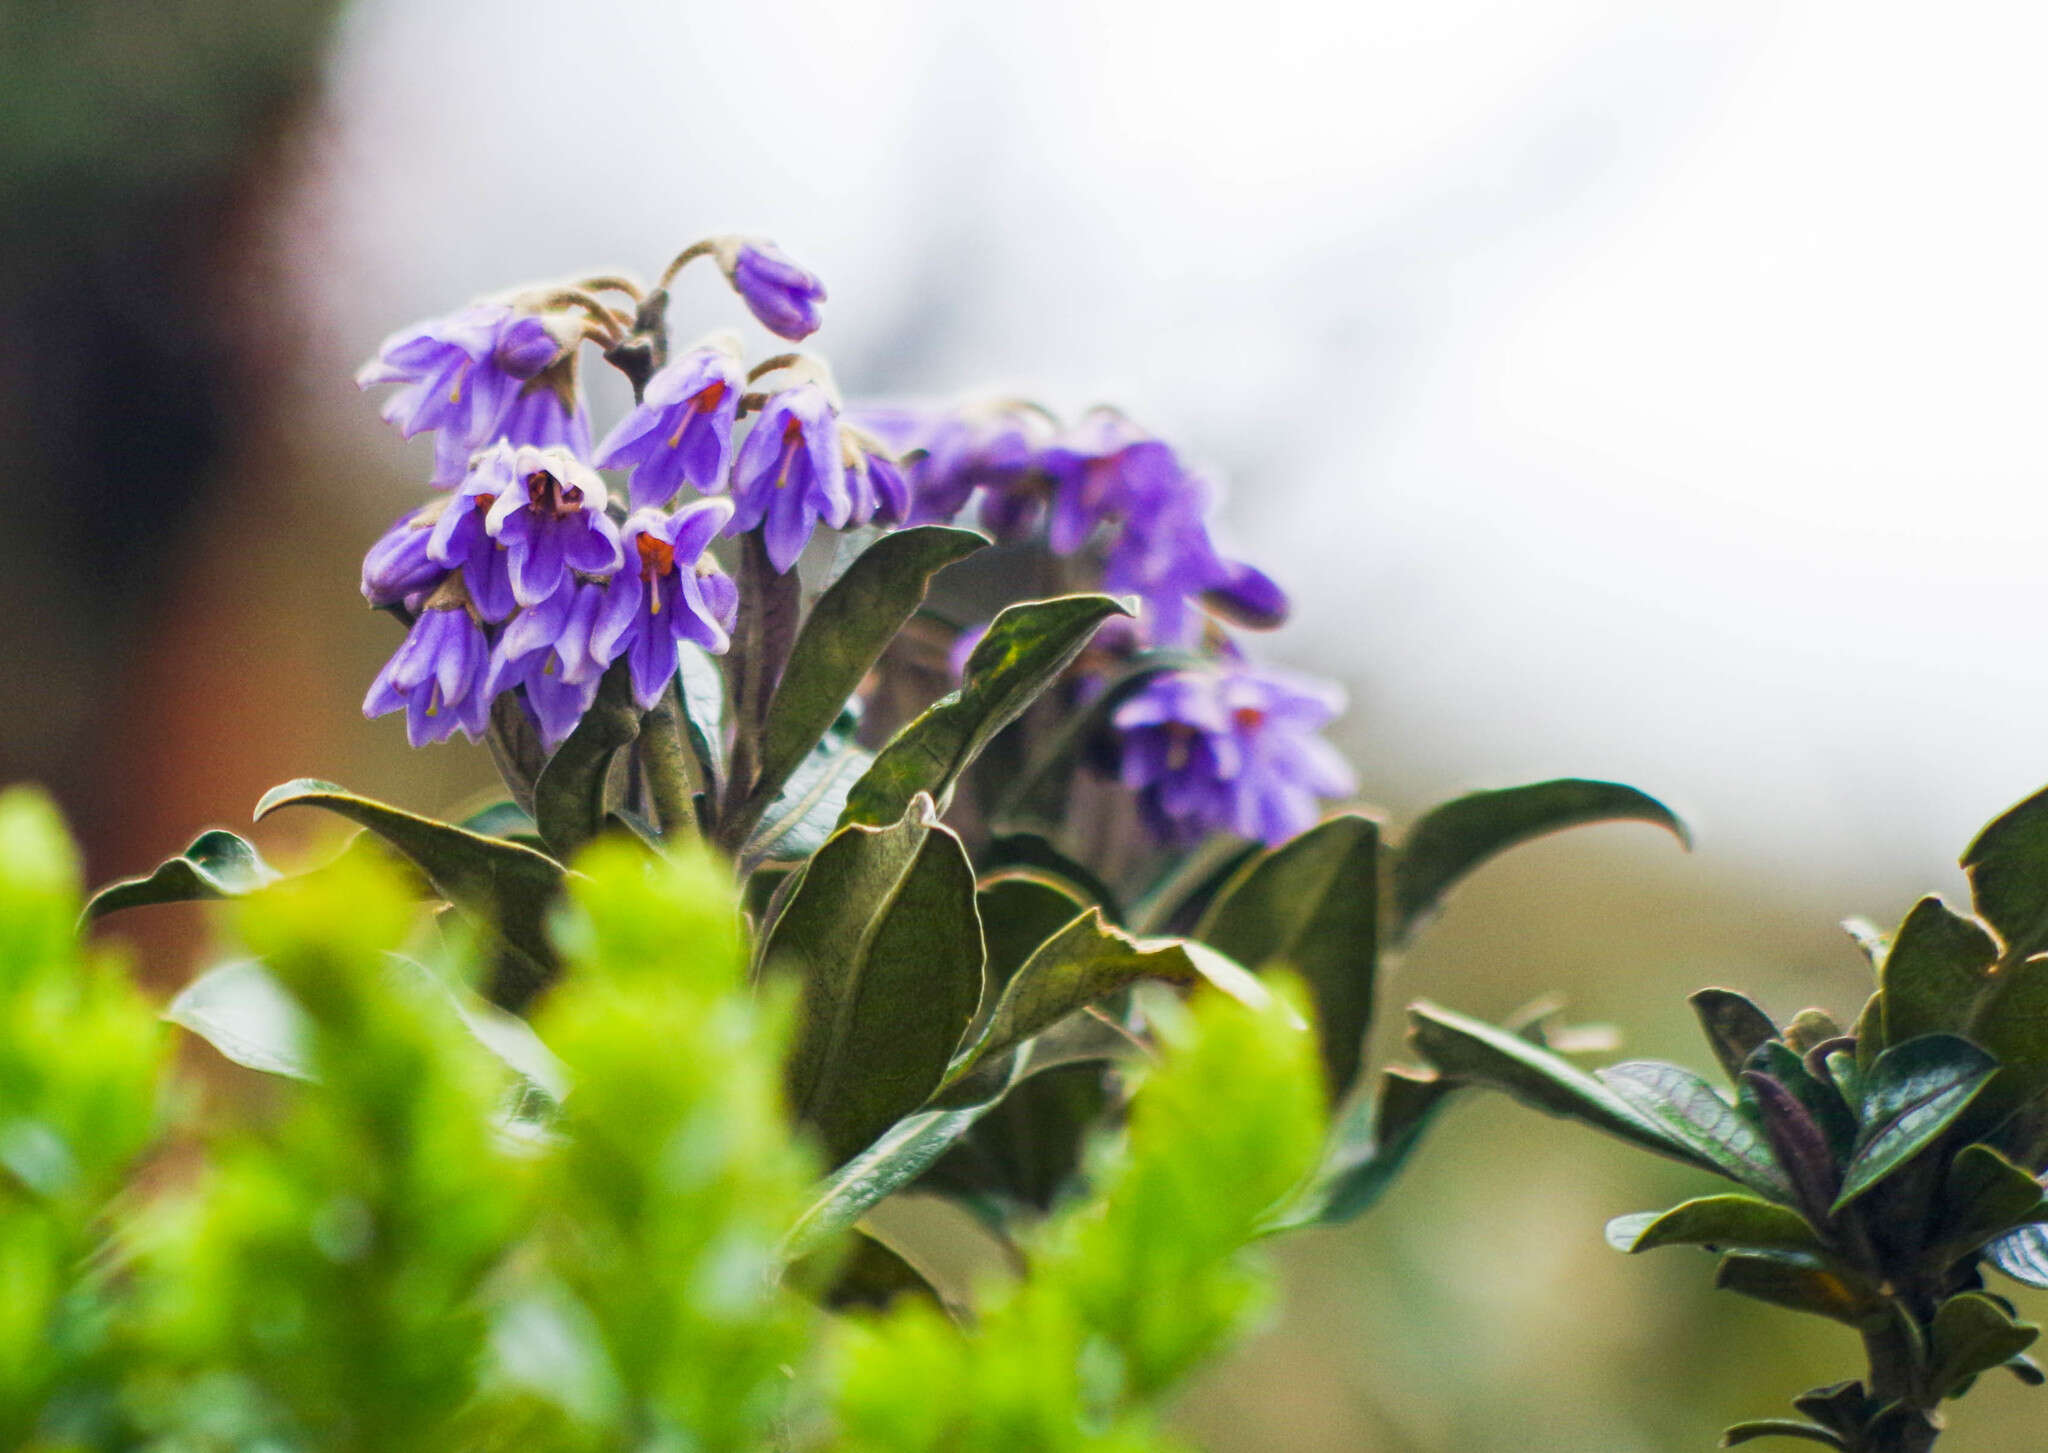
1025,650
1779,1428
798,822
883,942
1467,1049
1715,1221
1788,1280
1933,972
1027,1149
1971,1334
2022,1255
1734,1026
1177,902
1020,909
501,819
569,795
1686,1107
2026,1370
1038,796
217,865
1311,906
503,886
1360,1172
1843,1406
1029,850
1087,961
900,1156
1452,840
1913,1093
2011,1021
1985,1196
843,637
1818,1097
2008,870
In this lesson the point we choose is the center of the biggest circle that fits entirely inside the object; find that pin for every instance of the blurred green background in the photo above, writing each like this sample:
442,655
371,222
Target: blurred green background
1636,395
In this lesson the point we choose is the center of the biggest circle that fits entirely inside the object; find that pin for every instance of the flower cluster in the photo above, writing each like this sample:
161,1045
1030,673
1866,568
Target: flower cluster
526,577
1222,745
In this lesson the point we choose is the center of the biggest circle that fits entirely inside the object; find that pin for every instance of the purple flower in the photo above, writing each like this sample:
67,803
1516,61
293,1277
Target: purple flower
1096,466
782,295
549,515
461,373
398,565
461,537
949,453
547,413
791,474
1230,747
681,432
874,482
1247,596
666,592
437,673
546,649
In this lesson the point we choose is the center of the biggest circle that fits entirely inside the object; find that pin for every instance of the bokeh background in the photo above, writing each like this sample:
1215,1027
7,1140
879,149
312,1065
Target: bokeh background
1644,392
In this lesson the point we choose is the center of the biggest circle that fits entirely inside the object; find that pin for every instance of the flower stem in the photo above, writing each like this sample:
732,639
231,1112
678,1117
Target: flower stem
671,776
770,603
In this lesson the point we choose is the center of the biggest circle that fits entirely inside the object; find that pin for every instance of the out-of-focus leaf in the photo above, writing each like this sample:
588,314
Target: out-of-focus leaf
1810,1027
1177,903
1734,1026
1786,1279
1933,971
505,887
2011,1021
882,940
869,1273
798,822
1311,906
1843,1406
844,635
2026,1369
2022,1255
1026,648
1470,1050
1087,961
568,796
245,1014
501,819
1913,1093
1985,1196
1686,1107
1868,937
1028,1147
217,865
1715,1222
1452,840
1972,1334
701,689
1039,795
1778,1428
2008,871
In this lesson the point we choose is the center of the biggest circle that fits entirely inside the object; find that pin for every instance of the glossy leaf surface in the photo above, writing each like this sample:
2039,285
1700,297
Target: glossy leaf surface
1912,1094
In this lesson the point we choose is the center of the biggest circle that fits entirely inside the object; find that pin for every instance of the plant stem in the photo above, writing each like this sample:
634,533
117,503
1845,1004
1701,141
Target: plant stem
770,603
670,768
1911,1427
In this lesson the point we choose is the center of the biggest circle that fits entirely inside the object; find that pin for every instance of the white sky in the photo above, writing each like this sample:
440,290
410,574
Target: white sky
1642,391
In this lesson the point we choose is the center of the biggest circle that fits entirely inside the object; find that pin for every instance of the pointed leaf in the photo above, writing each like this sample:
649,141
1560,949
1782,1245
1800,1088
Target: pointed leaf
217,865
882,940
1025,650
843,637
505,887
870,1273
1468,1049
1972,1334
2026,1370
1311,907
1087,961
1985,1196
1734,1026
1786,1279
1029,850
1779,1428
2022,1255
2008,871
1933,972
568,796
1843,1406
1913,1093
700,688
1716,1221
1818,1097
1452,840
1687,1108
2010,1020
